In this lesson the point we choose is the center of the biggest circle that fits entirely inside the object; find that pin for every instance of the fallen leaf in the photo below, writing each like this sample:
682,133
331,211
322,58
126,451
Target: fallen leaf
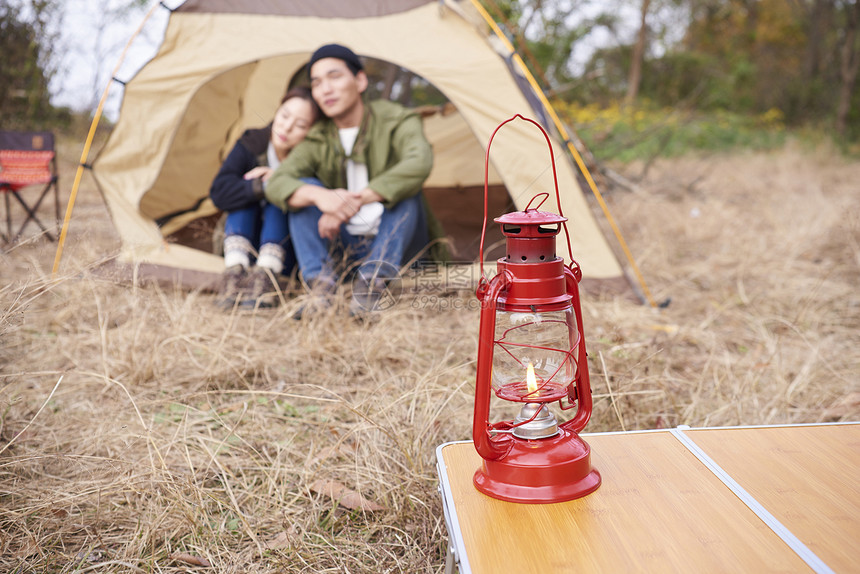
344,496
281,540
190,559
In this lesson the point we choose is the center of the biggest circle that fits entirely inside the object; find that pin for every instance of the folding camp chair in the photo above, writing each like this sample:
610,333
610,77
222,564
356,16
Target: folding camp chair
27,159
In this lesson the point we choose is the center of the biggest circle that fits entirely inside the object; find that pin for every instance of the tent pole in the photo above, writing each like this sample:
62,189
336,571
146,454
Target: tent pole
86,151
571,148
521,44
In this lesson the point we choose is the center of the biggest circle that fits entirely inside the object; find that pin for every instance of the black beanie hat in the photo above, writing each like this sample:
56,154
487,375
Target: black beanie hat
339,52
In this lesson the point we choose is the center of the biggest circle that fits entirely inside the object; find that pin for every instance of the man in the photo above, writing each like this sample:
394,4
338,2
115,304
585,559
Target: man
353,186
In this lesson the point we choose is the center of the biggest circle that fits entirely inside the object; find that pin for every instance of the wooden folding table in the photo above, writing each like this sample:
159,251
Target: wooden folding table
741,499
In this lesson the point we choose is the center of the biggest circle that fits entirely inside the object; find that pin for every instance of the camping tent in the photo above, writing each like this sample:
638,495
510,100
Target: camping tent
223,66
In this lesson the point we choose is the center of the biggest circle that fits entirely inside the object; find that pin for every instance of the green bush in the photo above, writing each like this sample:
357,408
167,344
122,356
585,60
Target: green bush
626,134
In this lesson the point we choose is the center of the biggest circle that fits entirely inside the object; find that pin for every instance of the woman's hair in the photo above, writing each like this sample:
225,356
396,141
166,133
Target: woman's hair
305,94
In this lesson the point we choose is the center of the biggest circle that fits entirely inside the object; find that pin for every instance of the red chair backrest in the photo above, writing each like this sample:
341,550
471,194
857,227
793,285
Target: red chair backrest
25,158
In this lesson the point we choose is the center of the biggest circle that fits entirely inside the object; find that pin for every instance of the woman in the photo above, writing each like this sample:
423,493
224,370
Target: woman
255,230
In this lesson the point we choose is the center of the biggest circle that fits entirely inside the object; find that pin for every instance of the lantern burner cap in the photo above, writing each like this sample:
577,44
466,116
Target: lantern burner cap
541,423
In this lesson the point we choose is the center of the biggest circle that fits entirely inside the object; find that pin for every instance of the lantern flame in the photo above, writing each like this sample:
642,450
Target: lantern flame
531,381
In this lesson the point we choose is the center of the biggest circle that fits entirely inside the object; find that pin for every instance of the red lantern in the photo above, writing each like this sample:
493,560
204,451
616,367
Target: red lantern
531,350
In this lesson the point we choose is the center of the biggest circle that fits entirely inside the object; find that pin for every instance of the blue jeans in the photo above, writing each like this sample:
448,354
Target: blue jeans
402,235
262,223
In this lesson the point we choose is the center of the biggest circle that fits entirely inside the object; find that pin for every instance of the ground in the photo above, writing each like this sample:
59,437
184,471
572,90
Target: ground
143,429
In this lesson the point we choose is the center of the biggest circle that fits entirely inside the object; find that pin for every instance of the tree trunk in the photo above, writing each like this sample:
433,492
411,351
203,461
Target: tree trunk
848,67
388,81
819,21
406,88
636,58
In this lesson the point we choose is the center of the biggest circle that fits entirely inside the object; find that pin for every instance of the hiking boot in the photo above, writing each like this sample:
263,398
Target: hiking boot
376,286
374,292
369,296
232,285
261,292
320,297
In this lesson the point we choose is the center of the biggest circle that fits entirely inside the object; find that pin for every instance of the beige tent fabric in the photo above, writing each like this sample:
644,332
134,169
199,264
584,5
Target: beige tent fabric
459,156
217,74
320,8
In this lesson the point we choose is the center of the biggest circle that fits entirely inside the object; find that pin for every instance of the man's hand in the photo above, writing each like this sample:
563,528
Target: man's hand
338,207
369,196
340,203
329,226
337,202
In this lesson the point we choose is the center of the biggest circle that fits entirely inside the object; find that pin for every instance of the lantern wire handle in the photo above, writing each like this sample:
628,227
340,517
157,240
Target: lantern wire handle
574,265
543,195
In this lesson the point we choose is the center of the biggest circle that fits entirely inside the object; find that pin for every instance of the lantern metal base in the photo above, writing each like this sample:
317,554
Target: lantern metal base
540,471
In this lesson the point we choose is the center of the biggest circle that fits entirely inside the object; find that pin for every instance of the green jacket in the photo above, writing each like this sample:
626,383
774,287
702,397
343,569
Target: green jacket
390,142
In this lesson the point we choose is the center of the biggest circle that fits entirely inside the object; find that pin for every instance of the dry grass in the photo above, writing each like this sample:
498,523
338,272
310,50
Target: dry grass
141,428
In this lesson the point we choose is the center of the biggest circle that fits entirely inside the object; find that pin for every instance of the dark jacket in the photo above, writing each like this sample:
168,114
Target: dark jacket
230,190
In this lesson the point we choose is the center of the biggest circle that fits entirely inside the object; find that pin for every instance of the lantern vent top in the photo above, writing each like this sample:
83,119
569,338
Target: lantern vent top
530,217
529,221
